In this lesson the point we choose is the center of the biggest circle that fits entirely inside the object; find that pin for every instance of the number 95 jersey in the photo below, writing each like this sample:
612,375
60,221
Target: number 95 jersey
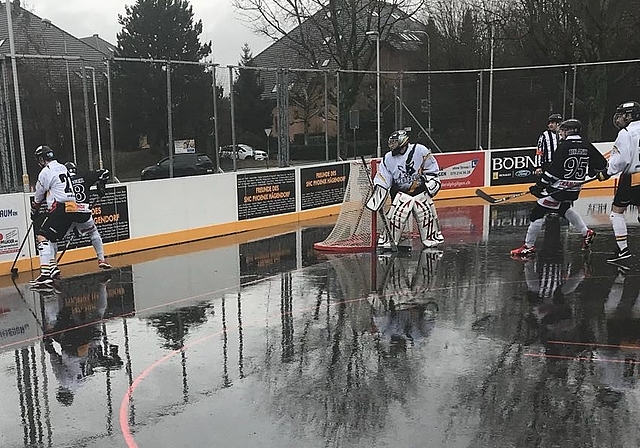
54,184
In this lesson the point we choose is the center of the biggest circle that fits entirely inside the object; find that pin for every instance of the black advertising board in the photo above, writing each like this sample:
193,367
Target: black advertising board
516,166
111,215
266,193
323,185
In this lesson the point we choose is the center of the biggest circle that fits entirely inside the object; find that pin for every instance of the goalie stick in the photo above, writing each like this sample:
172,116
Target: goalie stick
491,200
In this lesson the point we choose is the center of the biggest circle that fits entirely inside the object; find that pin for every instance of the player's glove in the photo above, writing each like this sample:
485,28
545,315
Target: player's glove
536,190
35,210
104,175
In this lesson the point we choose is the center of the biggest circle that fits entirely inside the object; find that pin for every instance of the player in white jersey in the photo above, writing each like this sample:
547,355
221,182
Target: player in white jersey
54,186
625,159
410,173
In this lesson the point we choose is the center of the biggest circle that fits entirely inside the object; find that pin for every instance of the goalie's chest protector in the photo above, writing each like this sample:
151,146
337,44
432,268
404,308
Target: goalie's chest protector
406,168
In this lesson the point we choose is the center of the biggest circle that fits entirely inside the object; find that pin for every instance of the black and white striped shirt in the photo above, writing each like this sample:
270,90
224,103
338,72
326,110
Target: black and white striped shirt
547,145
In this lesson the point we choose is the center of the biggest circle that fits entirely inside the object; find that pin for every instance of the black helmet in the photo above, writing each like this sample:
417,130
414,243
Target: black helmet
71,167
571,126
626,113
44,152
556,118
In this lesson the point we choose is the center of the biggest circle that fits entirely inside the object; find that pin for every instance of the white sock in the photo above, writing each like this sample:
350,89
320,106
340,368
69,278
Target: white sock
619,229
533,231
576,221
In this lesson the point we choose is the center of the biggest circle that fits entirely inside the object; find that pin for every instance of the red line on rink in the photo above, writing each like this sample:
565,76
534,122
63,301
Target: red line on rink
126,399
582,358
594,344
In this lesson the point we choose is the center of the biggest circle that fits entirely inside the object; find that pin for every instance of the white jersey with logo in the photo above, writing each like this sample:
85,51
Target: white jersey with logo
404,170
54,184
625,155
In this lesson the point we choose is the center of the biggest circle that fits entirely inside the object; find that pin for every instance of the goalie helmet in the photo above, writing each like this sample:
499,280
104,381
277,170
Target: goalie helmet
626,113
72,168
397,141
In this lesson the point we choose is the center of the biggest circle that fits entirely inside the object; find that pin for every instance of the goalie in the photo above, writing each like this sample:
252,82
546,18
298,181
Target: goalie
410,174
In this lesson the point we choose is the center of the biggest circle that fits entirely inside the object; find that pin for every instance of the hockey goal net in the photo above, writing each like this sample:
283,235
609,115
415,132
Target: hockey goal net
356,227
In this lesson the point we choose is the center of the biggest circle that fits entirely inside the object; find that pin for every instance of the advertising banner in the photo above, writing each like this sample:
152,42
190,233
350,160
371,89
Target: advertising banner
266,193
111,215
12,226
459,170
514,166
184,146
323,185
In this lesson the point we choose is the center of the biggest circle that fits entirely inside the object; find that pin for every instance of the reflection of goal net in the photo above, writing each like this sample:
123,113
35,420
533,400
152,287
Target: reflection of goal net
355,229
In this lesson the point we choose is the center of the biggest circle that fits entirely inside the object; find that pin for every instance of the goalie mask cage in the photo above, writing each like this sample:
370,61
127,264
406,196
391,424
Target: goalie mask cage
355,229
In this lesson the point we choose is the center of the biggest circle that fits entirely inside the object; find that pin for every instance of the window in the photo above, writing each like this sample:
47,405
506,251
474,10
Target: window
327,39
325,62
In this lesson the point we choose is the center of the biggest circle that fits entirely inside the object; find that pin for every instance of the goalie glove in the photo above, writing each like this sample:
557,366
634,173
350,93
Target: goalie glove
431,183
377,198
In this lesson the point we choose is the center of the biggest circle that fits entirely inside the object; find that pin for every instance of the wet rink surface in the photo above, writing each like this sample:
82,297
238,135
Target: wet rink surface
258,340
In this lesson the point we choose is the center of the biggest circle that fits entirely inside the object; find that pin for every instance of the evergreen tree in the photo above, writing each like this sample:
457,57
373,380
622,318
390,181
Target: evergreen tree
252,113
161,30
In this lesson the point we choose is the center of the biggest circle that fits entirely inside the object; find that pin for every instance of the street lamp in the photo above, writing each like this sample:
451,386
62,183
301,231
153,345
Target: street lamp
428,74
377,34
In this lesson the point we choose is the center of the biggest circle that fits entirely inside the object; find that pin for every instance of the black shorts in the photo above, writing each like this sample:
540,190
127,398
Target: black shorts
626,194
56,223
540,212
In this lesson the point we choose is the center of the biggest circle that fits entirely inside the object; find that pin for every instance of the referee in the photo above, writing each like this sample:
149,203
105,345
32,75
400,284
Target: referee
547,143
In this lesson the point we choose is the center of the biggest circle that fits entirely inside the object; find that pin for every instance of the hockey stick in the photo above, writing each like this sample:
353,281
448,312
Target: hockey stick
387,229
14,269
490,199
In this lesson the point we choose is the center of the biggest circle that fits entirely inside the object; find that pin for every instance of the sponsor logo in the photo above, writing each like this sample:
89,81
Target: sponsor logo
512,163
460,170
522,173
8,213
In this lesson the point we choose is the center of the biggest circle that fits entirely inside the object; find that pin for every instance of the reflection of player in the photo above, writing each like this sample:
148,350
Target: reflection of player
403,313
73,338
617,368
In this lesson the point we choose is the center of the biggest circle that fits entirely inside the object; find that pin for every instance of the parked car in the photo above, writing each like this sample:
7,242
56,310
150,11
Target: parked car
244,152
183,165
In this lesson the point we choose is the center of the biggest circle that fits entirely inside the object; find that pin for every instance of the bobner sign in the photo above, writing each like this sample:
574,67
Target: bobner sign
515,166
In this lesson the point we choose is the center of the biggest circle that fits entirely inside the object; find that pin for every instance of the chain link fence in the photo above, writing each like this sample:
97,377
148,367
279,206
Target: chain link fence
128,114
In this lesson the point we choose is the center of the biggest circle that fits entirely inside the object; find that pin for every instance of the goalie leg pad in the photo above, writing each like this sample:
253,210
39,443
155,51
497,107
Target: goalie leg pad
424,212
398,215
376,201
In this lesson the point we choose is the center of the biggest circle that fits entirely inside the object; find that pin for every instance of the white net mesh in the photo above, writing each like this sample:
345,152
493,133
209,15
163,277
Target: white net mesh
355,229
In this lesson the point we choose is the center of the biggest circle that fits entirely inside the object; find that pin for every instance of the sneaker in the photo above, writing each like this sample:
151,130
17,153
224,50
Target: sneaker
620,255
42,280
588,239
102,264
524,251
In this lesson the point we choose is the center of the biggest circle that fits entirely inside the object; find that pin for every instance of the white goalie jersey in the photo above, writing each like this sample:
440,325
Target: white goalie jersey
404,171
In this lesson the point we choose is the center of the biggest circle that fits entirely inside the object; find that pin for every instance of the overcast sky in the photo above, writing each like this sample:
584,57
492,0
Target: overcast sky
220,23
